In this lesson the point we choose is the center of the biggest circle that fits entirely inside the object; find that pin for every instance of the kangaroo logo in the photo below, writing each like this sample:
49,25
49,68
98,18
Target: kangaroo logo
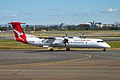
19,34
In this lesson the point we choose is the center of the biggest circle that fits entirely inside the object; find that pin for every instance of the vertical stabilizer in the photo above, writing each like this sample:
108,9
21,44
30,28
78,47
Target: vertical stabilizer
19,34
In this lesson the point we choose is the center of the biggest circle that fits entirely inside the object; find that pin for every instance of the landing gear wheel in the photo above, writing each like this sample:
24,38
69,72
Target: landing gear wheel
104,49
50,49
67,49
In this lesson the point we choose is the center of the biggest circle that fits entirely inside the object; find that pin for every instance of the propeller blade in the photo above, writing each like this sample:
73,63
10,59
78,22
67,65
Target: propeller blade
65,40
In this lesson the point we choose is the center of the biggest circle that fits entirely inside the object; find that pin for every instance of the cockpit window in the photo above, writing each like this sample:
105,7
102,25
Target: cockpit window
70,37
100,41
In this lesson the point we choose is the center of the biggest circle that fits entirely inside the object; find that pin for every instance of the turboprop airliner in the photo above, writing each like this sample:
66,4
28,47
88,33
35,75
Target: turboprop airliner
51,42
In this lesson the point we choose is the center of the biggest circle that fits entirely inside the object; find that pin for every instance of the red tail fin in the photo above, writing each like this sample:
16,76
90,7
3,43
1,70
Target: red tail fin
19,34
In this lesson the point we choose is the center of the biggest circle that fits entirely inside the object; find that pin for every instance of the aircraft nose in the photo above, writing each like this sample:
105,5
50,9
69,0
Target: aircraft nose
107,46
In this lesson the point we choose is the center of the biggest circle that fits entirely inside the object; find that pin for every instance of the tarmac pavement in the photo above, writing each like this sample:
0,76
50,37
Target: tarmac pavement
59,65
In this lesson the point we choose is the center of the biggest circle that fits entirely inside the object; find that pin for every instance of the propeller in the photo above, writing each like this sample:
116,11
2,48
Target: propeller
65,41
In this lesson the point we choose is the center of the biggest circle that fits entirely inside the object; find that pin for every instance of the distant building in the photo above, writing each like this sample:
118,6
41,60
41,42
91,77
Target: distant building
116,24
94,25
98,24
62,26
107,25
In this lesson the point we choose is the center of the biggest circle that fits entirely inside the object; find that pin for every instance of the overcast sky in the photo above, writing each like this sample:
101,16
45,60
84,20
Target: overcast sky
59,11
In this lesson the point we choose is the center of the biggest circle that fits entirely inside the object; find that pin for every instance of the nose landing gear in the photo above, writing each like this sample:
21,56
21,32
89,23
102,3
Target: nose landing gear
104,49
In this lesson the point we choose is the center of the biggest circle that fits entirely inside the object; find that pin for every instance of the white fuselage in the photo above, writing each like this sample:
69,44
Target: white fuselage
73,42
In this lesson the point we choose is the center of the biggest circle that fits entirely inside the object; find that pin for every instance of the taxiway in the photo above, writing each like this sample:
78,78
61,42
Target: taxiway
60,65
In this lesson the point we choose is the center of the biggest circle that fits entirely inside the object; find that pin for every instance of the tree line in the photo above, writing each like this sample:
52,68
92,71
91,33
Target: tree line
66,27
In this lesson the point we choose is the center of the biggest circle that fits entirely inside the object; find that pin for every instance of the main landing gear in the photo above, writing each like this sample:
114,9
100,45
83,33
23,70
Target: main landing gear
50,49
67,49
